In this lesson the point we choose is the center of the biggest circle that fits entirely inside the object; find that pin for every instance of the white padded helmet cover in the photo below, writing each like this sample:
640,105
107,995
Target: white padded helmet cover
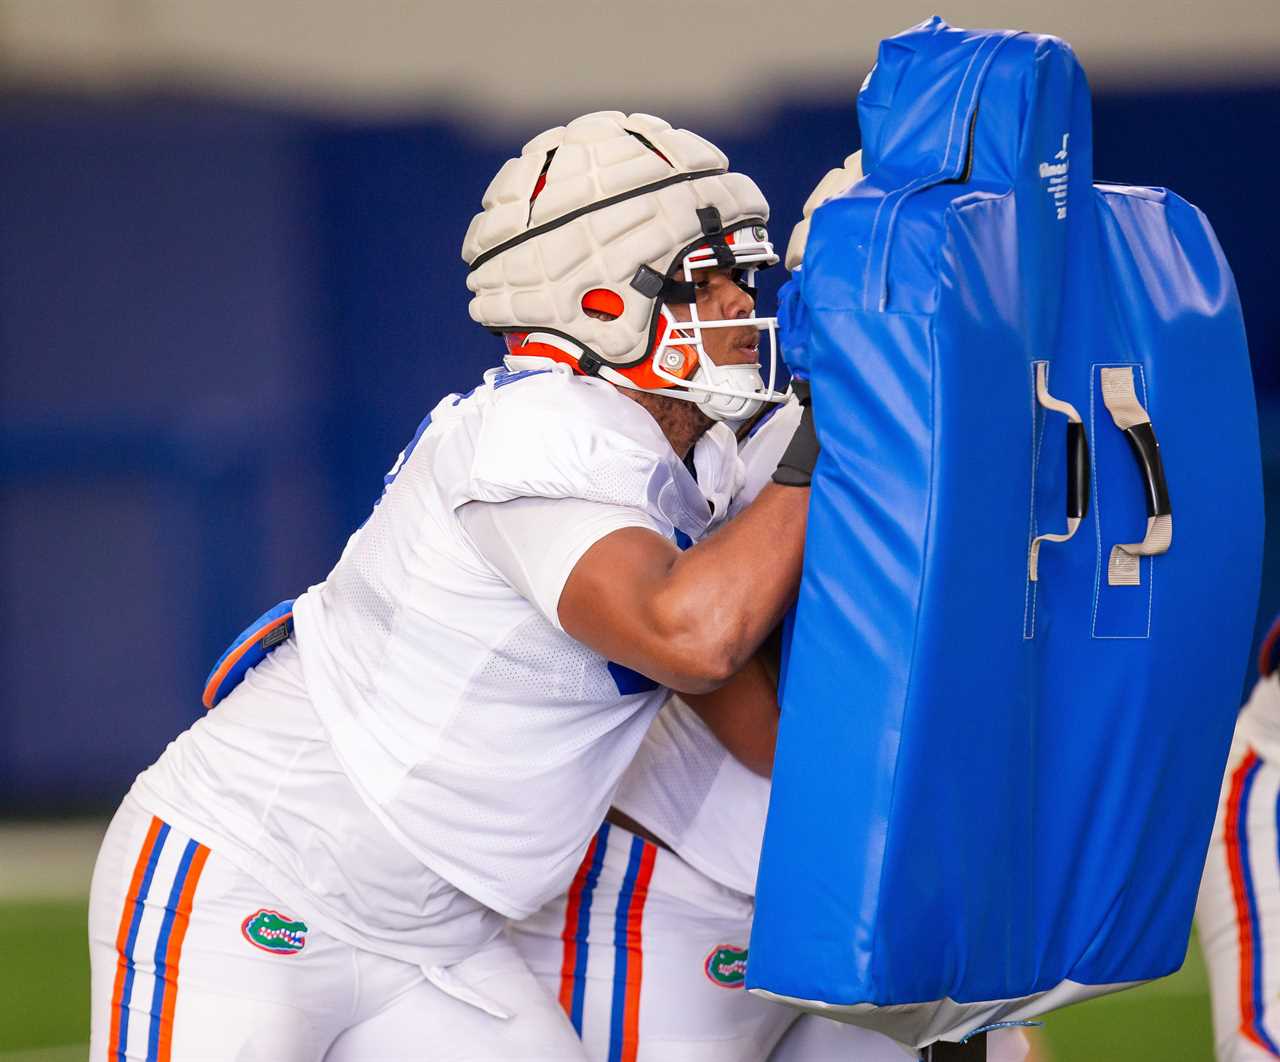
539,283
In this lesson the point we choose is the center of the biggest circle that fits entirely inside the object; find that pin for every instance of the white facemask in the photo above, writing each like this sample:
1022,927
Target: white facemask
722,392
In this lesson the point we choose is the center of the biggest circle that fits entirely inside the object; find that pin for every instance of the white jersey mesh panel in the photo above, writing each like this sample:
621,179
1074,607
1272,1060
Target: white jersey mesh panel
681,758
361,584
535,660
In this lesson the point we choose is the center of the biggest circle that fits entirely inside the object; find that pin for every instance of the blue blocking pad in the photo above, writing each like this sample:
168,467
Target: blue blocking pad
993,793
249,649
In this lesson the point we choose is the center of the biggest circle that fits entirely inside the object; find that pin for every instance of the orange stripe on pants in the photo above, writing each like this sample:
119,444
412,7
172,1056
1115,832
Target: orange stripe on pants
1237,870
635,955
570,931
122,934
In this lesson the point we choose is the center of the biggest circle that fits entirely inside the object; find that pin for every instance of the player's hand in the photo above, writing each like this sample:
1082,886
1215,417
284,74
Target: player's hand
834,183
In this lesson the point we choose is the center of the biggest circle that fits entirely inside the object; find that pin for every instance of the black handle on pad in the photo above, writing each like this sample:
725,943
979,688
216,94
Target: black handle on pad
1077,471
1146,451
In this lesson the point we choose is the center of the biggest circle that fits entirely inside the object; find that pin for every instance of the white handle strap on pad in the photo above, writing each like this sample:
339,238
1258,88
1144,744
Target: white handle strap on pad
1069,411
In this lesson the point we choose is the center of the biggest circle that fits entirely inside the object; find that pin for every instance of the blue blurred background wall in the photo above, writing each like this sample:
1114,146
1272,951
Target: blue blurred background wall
220,321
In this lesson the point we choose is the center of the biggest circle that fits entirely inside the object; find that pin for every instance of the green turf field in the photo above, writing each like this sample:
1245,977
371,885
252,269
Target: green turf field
44,1001
1166,1021
44,980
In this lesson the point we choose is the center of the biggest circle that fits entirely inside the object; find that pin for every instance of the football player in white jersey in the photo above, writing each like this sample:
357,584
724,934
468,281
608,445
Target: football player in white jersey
647,951
322,867
1238,912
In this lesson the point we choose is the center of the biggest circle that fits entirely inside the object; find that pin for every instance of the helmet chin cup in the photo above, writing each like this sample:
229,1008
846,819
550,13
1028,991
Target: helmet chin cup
719,405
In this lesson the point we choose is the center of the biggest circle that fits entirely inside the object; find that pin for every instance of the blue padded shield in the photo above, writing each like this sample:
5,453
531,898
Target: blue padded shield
249,649
993,794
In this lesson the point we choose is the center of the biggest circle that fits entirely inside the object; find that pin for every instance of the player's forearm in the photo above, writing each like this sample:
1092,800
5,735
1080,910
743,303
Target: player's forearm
729,591
743,715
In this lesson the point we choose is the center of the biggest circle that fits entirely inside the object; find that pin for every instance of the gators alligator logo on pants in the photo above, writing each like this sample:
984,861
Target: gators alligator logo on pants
726,966
272,931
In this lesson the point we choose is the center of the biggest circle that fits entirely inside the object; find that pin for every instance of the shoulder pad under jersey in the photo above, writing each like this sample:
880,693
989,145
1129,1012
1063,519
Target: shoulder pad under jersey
561,436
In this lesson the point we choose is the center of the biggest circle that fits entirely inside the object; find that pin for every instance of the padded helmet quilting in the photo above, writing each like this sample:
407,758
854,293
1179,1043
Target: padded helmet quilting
584,207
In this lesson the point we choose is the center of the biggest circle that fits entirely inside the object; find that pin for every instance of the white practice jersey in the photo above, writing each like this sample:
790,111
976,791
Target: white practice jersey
258,782
477,736
684,785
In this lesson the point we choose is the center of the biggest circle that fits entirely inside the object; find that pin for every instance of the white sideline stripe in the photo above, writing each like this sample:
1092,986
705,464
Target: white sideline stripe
48,860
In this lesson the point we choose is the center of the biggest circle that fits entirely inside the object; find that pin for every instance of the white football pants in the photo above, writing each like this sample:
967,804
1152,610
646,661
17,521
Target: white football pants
1238,913
192,959
647,957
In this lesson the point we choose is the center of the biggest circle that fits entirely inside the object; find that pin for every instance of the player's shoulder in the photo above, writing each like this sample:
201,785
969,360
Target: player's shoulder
540,412
563,403
551,434
551,415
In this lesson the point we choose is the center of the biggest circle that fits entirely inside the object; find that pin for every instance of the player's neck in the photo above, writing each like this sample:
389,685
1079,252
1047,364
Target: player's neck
681,422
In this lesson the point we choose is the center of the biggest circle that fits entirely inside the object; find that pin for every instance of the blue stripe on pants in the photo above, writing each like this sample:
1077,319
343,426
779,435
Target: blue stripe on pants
162,945
584,927
618,1011
138,907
